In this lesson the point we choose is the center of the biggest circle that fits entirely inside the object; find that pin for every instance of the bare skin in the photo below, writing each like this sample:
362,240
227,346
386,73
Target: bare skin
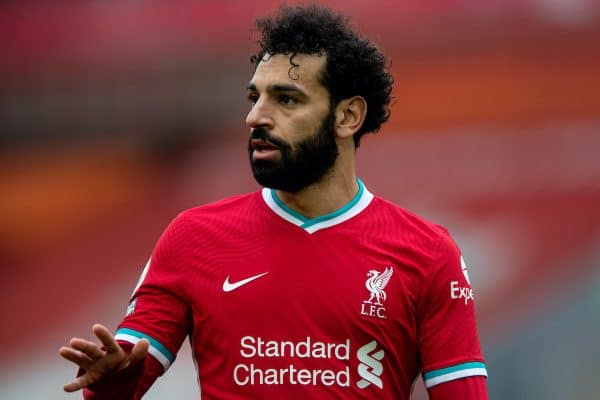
98,362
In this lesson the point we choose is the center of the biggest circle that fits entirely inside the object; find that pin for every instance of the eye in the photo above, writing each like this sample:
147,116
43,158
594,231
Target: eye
287,100
252,98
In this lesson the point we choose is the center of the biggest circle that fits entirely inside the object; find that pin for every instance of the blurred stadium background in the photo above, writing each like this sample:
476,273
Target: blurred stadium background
115,115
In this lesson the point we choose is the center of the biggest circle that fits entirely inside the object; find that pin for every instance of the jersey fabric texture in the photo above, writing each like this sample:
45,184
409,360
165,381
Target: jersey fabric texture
353,304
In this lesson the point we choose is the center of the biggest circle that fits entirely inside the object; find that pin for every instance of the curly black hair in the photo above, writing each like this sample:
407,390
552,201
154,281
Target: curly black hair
354,67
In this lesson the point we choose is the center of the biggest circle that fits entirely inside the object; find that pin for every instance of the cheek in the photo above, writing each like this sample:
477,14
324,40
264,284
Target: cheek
302,128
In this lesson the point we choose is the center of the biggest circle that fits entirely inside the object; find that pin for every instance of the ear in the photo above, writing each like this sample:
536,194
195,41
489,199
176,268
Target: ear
350,114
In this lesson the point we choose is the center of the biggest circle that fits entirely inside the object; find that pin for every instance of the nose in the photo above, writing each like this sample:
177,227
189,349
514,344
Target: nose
259,116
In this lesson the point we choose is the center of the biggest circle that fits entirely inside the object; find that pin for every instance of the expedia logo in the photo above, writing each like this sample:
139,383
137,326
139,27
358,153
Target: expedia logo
461,292
370,367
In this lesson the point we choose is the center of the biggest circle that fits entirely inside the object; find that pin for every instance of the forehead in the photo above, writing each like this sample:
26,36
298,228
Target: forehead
278,69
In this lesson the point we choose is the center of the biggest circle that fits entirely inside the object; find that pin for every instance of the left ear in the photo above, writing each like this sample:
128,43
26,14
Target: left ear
350,114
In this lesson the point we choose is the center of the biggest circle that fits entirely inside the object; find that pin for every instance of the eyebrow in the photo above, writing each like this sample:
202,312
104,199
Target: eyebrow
278,87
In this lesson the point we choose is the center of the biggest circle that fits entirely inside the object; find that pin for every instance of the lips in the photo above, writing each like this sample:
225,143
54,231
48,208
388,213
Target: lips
262,145
264,150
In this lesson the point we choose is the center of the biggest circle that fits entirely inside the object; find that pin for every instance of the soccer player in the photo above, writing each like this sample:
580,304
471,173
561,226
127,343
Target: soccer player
311,287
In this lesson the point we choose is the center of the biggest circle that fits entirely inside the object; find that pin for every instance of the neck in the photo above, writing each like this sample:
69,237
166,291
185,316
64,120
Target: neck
333,191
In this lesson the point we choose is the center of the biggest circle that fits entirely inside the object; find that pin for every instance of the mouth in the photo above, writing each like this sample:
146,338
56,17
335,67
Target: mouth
263,150
262,145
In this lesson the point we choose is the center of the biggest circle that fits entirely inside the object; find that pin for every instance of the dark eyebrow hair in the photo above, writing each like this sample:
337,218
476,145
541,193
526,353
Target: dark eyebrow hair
286,88
279,87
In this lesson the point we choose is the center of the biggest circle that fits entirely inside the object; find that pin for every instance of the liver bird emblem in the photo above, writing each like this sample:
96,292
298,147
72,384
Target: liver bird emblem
375,284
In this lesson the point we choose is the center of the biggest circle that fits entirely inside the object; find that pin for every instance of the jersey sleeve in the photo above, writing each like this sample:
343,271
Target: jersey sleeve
447,335
471,388
159,309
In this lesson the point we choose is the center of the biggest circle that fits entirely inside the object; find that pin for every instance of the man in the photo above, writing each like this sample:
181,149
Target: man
311,287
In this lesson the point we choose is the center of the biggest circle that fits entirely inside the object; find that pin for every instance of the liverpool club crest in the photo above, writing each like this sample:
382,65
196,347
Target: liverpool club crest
375,284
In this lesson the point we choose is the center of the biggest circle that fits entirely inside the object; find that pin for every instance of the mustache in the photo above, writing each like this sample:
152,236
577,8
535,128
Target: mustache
263,134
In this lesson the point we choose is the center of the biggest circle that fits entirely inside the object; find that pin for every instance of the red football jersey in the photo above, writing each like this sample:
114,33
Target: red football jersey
353,304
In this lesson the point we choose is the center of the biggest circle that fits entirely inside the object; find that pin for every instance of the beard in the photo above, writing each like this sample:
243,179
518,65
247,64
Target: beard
300,164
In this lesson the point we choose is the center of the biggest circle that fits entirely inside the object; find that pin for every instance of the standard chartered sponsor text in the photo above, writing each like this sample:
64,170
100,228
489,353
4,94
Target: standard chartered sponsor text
256,348
249,374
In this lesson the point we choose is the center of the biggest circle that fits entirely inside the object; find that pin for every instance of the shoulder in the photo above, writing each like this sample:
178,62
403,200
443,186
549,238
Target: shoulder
197,229
213,216
428,245
409,224
222,209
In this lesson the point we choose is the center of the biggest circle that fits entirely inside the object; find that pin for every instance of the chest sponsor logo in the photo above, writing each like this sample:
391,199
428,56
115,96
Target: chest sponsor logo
375,284
311,362
370,367
231,286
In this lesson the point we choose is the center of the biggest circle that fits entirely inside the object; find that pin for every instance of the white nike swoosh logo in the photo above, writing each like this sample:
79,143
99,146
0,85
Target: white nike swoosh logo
228,286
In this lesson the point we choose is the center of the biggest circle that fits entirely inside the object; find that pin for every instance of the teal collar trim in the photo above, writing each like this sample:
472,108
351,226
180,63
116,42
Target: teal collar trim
358,203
